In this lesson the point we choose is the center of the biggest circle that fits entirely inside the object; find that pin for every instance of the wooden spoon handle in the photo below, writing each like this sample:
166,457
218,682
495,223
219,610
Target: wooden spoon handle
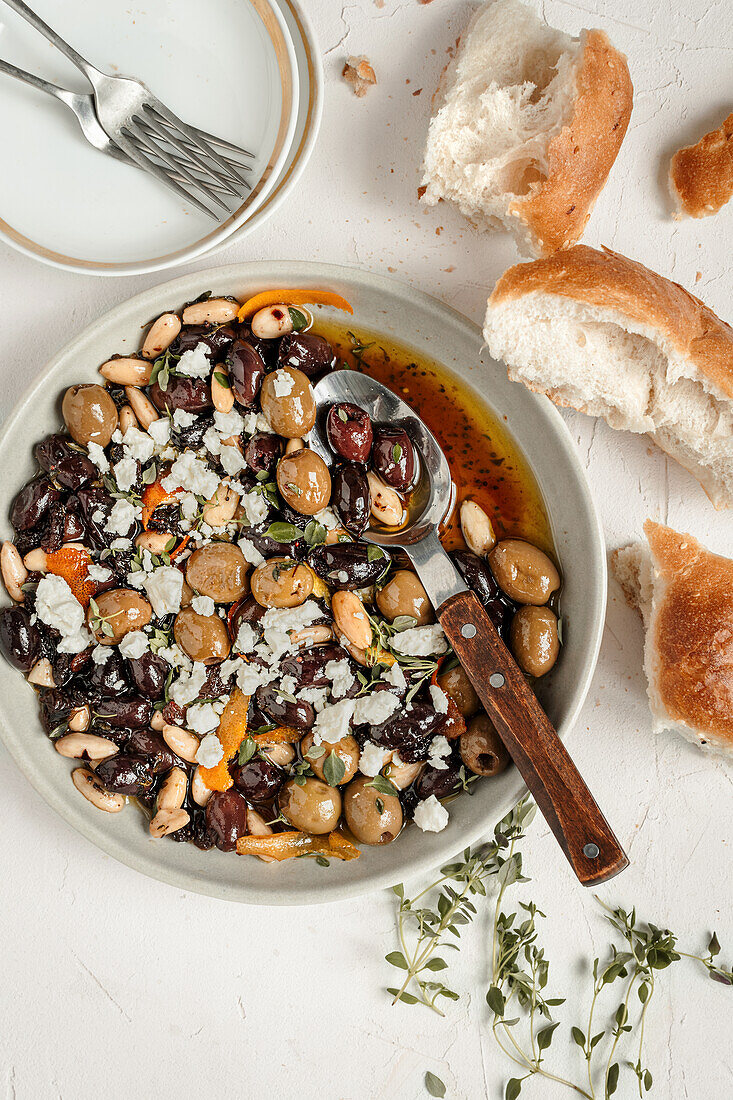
533,743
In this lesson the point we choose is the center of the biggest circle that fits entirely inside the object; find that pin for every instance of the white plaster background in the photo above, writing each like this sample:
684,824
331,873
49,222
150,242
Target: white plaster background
113,985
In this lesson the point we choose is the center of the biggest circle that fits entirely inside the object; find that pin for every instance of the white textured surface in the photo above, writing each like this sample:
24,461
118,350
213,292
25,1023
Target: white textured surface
114,985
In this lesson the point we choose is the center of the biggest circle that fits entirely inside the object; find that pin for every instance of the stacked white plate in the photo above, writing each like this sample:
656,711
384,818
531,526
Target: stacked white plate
247,70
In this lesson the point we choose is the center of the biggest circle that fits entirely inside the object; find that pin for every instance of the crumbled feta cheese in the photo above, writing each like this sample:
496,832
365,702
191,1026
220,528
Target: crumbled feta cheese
343,577
251,553
174,656
230,668
340,675
277,623
316,696
192,473
430,816
333,722
288,685
136,579
212,441
202,718
189,505
376,708
250,677
121,544
327,518
282,383
134,644
256,422
138,445
439,698
210,752
255,507
101,654
58,607
164,587
232,459
421,641
228,424
98,514
125,474
246,638
439,748
160,431
98,457
121,518
195,363
188,685
203,605
183,419
396,677
98,572
372,759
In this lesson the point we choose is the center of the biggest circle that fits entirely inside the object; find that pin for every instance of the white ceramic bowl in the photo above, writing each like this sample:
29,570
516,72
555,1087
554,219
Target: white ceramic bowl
430,327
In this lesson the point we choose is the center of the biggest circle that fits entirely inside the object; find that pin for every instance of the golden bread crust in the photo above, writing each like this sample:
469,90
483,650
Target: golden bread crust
701,175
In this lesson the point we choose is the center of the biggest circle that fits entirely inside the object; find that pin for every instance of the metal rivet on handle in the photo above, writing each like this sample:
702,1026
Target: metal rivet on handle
496,680
592,851
468,630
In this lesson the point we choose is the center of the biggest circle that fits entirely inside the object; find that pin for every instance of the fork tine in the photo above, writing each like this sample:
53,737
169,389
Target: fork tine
212,139
141,159
203,147
153,123
177,166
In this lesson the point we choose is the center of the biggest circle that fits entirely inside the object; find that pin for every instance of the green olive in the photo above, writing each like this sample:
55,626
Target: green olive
456,684
481,748
204,638
523,571
373,818
304,481
291,412
312,807
403,594
277,583
117,612
347,750
534,639
219,570
90,414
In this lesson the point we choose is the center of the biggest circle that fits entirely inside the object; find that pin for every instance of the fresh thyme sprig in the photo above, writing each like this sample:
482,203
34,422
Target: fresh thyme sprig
522,1013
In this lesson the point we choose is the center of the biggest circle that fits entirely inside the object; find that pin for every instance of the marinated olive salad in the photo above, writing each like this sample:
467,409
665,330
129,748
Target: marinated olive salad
208,635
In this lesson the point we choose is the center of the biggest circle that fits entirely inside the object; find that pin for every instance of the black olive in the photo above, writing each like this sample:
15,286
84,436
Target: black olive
349,431
309,667
126,712
349,564
151,745
125,774
32,503
190,394
410,732
246,372
350,497
20,640
149,674
479,578
262,452
306,352
226,817
258,780
393,457
284,712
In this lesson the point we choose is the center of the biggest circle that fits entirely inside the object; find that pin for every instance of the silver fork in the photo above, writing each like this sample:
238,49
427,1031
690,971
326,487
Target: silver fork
82,106
147,131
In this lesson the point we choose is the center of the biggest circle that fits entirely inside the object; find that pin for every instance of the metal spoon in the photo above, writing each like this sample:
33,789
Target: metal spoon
534,745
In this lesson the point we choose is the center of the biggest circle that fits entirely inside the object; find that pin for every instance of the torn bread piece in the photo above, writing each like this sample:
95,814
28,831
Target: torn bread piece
603,334
685,595
701,175
526,126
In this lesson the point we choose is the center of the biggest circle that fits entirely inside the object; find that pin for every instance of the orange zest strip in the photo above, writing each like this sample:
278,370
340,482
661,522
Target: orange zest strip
231,732
279,736
282,846
71,563
291,297
154,495
181,546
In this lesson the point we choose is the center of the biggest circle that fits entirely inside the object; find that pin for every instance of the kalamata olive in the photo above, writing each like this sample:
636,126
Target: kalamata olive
262,452
393,457
284,712
66,665
480,580
70,468
456,684
51,451
191,436
226,816
350,497
346,749
438,781
311,354
125,712
20,640
190,394
63,524
373,818
349,431
217,338
246,372
116,612
151,745
125,773
90,414
149,674
309,666
246,610
403,594
288,403
410,732
534,639
204,638
54,707
304,481
523,571
270,547
313,807
258,780
349,564
32,503
219,570
280,583
109,679
266,349
482,750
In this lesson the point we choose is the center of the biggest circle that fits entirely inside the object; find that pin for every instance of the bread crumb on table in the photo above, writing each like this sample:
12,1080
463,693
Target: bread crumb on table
359,73
701,175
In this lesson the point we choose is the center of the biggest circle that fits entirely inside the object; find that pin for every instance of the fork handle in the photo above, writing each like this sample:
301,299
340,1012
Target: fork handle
30,78
35,21
533,743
